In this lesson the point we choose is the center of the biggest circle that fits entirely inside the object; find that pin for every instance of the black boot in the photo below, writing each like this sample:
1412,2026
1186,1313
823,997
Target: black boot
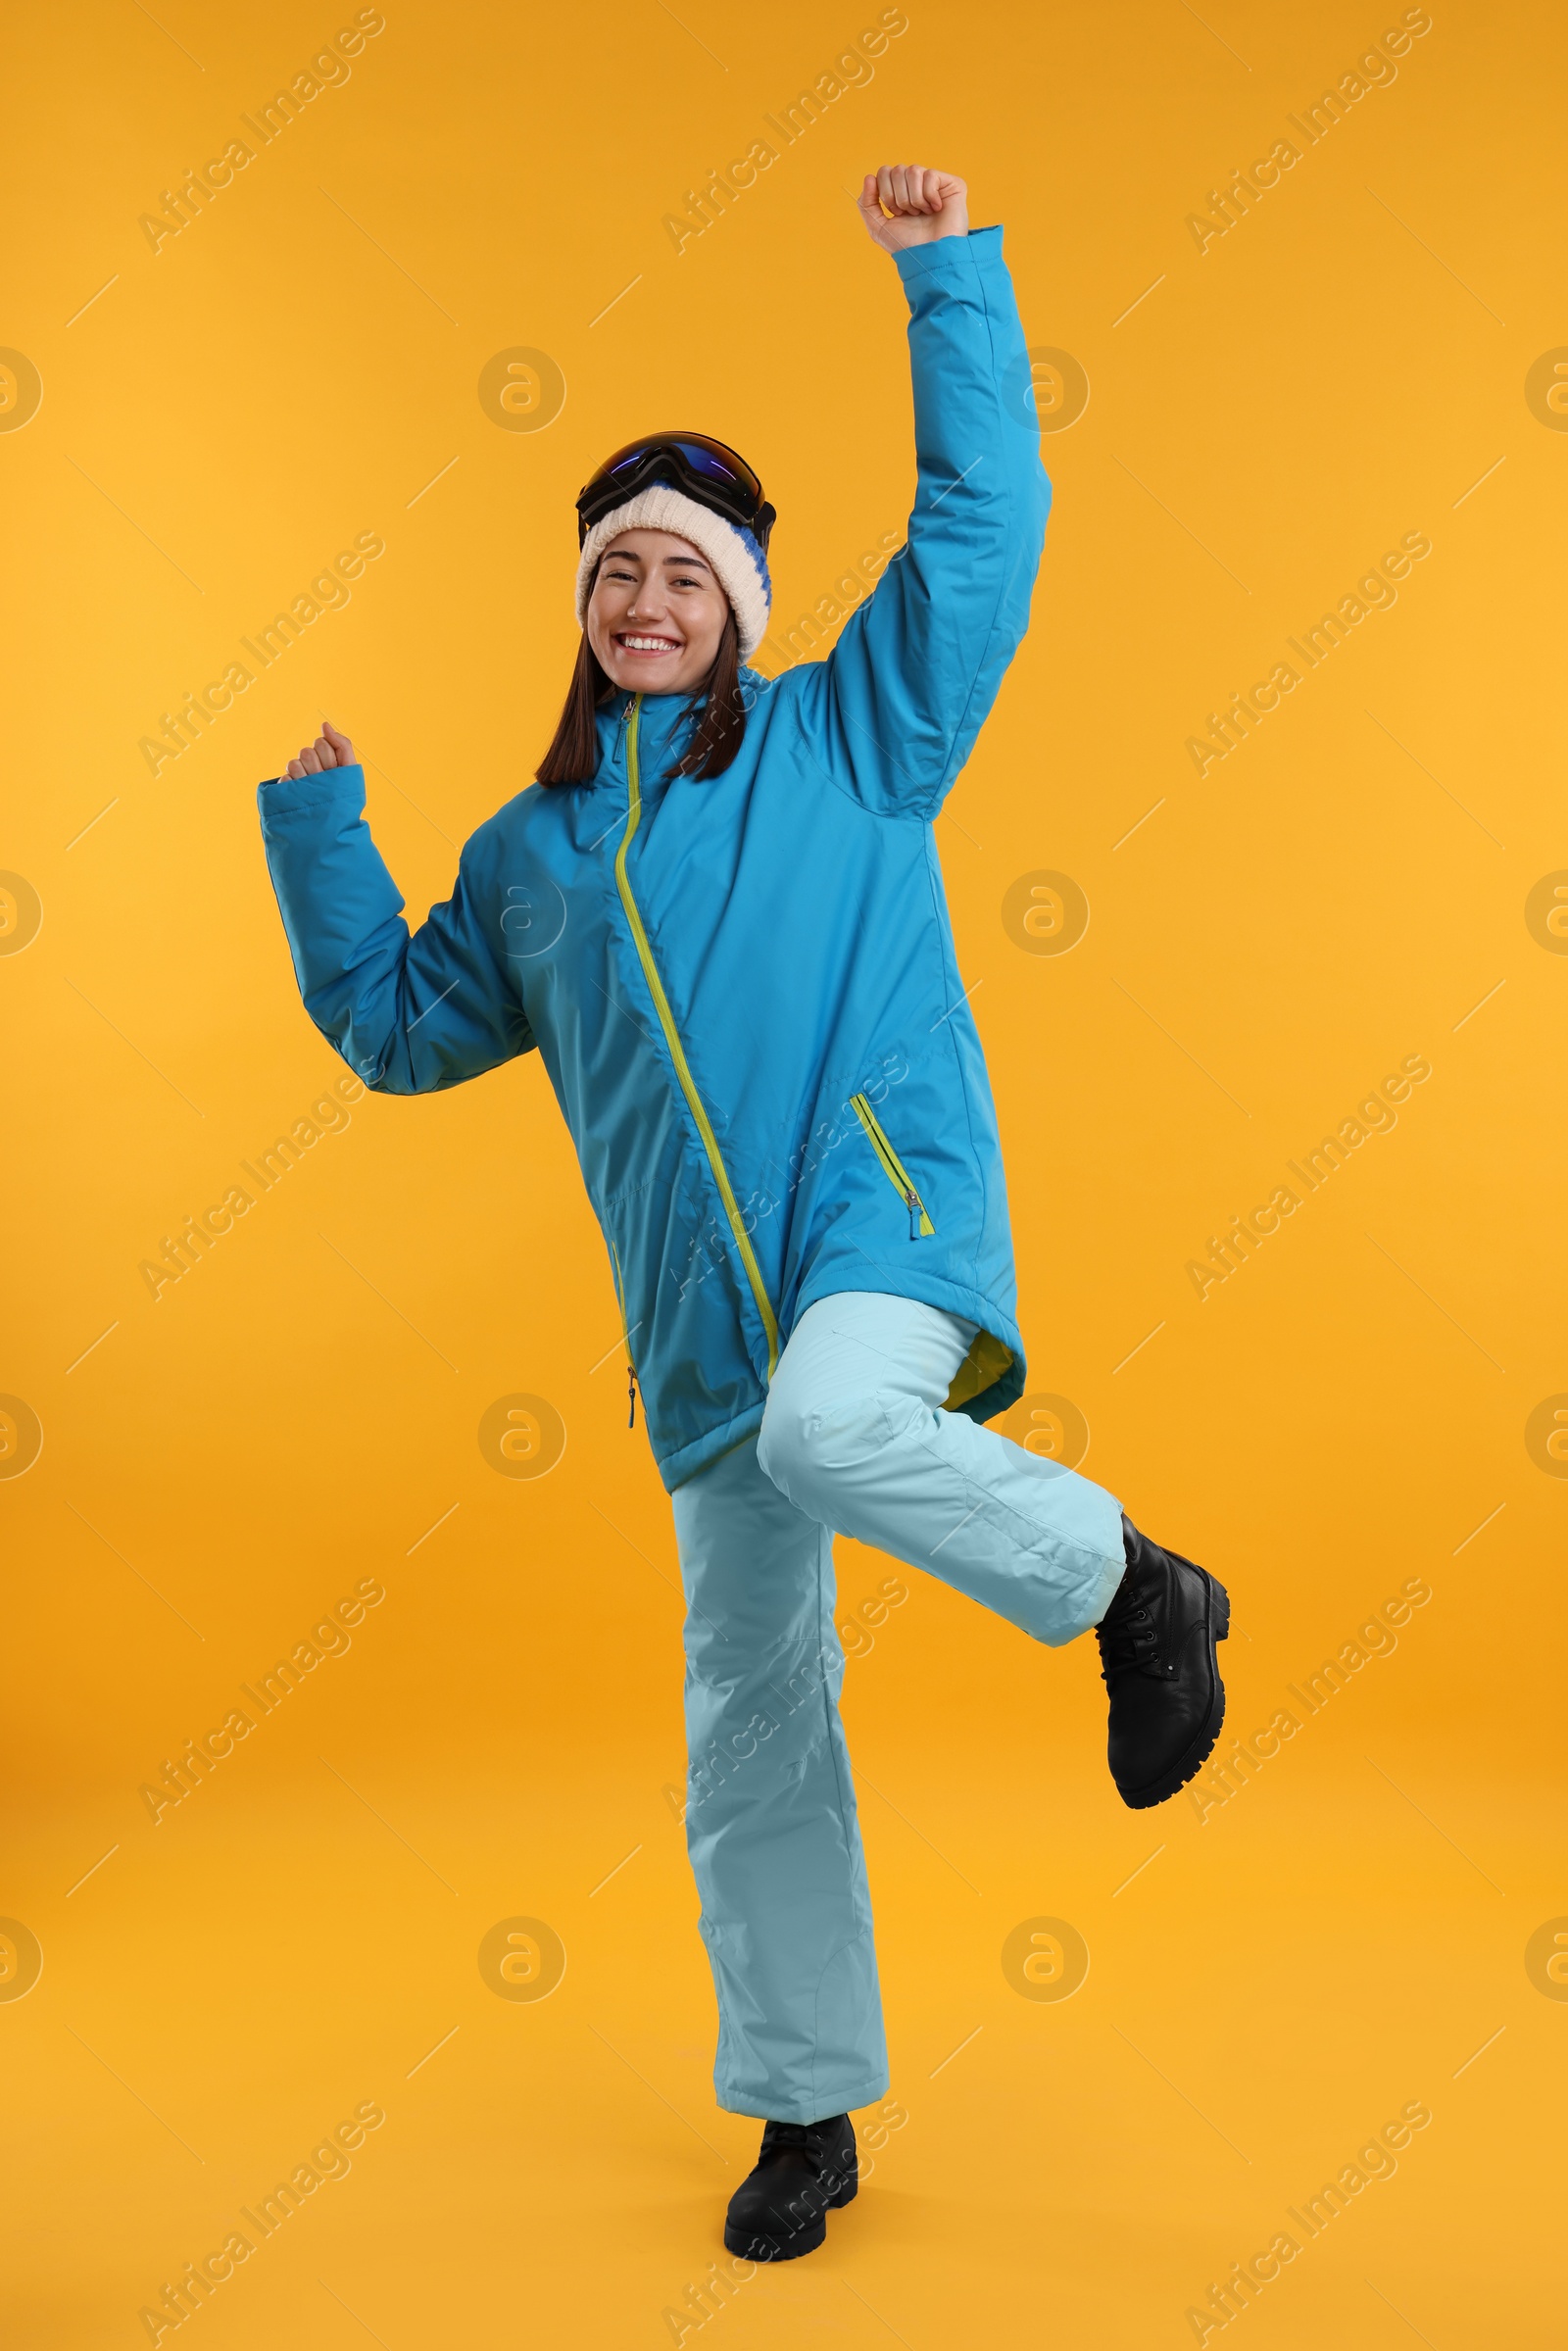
804,2172
1156,1649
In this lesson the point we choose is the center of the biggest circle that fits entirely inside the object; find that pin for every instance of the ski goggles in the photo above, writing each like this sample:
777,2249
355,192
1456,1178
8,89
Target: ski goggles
705,469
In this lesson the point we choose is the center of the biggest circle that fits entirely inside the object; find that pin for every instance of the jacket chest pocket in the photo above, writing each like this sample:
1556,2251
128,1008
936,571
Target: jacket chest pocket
893,1167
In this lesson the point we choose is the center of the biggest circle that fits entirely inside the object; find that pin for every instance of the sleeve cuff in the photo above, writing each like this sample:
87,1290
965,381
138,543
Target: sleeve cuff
286,796
949,258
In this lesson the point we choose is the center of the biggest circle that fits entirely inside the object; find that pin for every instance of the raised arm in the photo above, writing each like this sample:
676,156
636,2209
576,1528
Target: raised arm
894,710
409,1014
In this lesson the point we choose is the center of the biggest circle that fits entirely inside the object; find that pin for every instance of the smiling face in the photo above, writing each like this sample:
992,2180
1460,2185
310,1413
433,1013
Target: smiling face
656,615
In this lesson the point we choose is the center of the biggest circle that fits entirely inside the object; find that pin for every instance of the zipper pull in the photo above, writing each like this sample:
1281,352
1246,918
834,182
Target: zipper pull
631,1396
913,1202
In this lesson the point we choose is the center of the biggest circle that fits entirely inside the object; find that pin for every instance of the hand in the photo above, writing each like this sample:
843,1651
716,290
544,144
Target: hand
924,205
330,750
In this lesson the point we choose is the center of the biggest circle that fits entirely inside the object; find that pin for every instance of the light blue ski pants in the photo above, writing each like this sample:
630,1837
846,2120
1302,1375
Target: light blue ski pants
852,1441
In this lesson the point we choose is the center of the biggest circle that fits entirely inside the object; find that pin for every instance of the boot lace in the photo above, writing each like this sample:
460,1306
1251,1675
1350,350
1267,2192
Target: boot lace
1127,1642
806,2138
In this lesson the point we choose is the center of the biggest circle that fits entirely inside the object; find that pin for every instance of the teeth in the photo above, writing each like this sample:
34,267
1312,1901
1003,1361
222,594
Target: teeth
649,643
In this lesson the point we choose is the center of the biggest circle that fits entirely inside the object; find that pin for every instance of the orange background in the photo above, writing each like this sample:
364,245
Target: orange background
1348,1411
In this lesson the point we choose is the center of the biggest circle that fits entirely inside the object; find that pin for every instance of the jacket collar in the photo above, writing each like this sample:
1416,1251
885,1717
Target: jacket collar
663,717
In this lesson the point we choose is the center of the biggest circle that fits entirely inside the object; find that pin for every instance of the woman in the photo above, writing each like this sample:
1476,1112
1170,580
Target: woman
719,917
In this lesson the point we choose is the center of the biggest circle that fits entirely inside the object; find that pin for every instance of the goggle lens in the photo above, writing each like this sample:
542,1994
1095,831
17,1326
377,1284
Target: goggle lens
702,457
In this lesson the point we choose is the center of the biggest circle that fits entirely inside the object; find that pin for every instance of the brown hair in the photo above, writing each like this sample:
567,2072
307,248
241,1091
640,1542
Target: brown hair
573,754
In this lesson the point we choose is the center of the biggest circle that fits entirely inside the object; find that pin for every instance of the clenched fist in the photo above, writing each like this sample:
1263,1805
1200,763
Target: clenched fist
330,750
905,204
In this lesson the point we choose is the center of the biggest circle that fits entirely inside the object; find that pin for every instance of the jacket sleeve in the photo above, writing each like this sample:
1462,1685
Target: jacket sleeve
893,712
409,1014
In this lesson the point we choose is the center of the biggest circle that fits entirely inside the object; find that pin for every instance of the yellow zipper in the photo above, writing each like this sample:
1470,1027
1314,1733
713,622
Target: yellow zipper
625,1333
893,1167
620,1300
677,1051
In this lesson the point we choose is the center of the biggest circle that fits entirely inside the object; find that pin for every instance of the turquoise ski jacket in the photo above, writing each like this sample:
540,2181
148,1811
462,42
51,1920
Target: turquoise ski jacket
744,990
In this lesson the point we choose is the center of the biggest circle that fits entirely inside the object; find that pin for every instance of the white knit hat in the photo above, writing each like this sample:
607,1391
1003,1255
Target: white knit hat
736,557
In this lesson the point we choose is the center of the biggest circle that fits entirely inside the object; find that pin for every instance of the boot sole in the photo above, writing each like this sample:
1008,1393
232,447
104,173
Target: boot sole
804,2240
1194,1758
